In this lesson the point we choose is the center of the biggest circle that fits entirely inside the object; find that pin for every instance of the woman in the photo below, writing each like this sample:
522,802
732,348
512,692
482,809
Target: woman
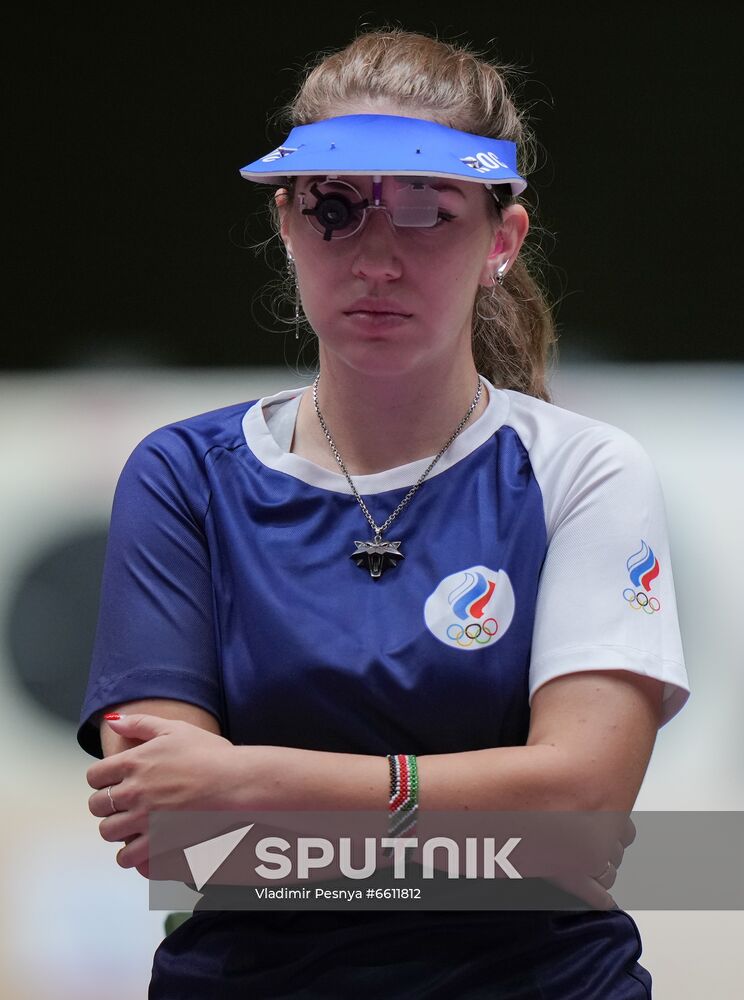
307,593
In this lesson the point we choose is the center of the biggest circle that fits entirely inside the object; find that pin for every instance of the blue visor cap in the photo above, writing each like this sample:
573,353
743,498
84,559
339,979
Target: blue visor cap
388,145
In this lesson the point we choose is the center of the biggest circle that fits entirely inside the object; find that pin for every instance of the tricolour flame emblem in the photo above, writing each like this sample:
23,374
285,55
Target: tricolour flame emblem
472,608
643,567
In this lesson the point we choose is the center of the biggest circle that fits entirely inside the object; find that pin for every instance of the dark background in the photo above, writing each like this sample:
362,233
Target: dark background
129,221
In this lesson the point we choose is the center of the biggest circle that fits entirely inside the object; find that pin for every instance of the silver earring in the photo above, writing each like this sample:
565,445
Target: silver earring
292,273
496,279
500,273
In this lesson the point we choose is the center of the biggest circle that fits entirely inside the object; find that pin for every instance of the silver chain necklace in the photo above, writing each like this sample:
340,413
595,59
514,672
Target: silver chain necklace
378,554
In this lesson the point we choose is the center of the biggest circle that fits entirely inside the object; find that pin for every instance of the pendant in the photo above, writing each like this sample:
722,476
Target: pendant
377,555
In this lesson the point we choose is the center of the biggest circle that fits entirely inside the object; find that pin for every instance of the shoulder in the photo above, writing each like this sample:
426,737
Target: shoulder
188,443
543,426
199,434
174,460
572,455
552,434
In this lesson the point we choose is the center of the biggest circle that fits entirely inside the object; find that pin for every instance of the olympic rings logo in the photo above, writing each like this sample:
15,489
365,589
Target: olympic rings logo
639,600
468,634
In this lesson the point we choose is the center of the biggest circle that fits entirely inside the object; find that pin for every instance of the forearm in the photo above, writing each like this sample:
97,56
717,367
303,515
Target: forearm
524,779
502,778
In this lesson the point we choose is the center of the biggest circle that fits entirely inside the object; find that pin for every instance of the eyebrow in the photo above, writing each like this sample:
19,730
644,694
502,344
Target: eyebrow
439,186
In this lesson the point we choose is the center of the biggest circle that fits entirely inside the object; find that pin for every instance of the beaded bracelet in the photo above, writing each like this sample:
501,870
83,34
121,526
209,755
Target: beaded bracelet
403,804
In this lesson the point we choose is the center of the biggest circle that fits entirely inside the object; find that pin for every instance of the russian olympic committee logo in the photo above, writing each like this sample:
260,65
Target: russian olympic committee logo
471,609
643,568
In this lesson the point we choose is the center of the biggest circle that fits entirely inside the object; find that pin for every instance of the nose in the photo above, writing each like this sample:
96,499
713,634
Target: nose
377,246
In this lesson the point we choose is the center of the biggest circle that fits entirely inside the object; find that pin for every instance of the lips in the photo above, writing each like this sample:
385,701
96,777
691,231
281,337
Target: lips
377,306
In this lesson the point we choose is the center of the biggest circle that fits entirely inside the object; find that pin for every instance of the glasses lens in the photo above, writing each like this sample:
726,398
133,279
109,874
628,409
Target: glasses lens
416,205
334,209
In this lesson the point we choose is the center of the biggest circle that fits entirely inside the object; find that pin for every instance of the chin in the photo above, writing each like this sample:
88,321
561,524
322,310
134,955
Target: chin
385,360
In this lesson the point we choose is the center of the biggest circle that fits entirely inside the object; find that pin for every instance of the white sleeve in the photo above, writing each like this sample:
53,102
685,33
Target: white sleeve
605,595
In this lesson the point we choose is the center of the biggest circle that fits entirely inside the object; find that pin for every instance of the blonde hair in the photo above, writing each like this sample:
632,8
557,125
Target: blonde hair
514,339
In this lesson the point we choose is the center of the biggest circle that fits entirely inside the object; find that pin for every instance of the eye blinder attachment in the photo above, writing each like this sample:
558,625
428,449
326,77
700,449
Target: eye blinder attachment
416,204
334,212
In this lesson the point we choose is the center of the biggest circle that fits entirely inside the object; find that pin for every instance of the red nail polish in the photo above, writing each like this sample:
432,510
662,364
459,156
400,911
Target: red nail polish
112,715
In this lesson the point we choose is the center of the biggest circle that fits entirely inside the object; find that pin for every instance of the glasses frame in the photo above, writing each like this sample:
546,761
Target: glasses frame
365,206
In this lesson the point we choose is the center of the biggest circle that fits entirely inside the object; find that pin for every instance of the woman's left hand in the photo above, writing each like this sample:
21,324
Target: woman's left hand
177,766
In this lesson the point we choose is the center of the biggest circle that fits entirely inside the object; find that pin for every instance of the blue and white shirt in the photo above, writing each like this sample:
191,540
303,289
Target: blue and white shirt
536,547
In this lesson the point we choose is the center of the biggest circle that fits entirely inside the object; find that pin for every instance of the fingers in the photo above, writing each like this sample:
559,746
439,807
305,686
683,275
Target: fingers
111,770
627,836
123,826
587,889
616,858
629,833
608,877
100,803
135,852
102,774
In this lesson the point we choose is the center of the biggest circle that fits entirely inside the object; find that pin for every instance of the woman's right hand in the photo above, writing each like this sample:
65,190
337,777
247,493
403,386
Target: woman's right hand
593,889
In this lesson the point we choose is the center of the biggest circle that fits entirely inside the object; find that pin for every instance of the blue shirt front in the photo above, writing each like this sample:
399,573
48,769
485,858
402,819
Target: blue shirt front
231,585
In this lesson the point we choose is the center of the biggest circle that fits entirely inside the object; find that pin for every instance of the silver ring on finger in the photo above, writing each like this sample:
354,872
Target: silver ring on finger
111,800
605,873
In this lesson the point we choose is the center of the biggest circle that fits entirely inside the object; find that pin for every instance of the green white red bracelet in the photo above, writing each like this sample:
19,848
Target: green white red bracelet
403,804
